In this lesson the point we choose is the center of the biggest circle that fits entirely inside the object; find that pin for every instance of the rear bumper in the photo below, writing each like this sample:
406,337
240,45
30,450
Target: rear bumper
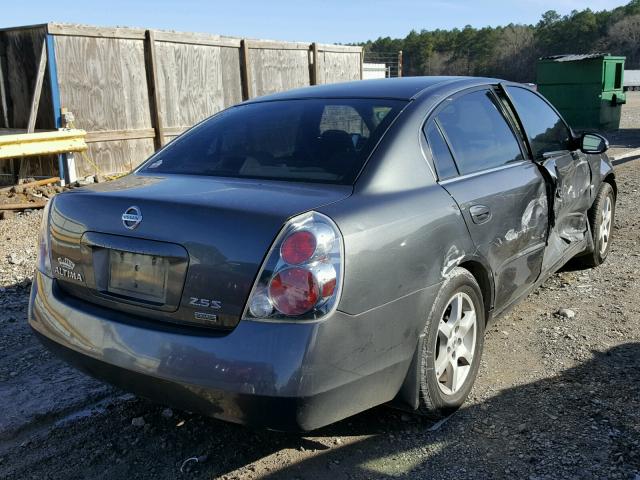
295,376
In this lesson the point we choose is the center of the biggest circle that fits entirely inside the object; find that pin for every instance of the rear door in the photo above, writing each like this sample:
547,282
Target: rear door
482,163
567,172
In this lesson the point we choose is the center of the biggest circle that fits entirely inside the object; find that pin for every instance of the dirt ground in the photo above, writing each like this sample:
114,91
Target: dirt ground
557,397
627,138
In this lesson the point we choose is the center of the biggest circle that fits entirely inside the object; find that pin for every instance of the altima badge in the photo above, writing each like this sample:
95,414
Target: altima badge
132,217
66,269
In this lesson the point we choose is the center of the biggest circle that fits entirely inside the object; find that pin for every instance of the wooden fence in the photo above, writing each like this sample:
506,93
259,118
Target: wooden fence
133,90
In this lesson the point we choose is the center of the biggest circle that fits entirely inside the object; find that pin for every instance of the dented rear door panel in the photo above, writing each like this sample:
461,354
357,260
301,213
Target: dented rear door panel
512,238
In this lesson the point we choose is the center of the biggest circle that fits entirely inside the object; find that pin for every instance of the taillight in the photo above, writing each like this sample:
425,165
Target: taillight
298,247
44,242
294,291
302,274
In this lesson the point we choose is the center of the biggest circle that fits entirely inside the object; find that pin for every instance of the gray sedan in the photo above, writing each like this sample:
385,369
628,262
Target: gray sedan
305,256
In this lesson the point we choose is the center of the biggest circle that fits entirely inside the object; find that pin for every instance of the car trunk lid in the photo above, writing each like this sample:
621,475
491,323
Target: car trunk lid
195,252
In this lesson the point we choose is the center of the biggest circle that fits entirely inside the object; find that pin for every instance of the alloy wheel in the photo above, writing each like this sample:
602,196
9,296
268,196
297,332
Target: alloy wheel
605,225
455,343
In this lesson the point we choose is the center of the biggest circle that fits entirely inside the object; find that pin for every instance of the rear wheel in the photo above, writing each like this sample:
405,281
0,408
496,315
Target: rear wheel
454,337
601,218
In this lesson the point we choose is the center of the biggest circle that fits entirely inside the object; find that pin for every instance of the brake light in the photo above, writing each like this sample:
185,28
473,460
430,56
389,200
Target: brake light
294,291
298,247
301,276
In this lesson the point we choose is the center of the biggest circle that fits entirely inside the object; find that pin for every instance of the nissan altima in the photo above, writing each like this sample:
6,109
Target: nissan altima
304,256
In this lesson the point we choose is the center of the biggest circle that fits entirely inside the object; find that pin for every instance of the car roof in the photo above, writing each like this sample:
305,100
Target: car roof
403,88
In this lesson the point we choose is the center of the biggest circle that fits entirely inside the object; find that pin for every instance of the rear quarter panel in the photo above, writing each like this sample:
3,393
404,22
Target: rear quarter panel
398,248
397,243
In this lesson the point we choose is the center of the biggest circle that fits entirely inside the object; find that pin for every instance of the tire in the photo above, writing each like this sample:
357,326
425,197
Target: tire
602,231
441,392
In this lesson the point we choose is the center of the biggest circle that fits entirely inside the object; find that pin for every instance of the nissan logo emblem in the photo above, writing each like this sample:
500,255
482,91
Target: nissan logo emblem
132,217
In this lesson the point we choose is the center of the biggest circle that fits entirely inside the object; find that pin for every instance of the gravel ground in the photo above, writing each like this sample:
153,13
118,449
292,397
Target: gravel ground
628,137
557,396
630,117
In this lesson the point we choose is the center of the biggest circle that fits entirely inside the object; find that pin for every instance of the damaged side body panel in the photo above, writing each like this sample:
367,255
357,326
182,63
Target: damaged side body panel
525,217
568,176
512,240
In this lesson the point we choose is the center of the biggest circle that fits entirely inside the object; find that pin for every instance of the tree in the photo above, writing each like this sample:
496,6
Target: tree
624,38
512,51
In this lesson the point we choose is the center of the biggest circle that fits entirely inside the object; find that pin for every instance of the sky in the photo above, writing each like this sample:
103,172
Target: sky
328,21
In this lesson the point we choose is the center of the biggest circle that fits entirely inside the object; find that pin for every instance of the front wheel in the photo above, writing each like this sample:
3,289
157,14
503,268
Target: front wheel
601,218
454,337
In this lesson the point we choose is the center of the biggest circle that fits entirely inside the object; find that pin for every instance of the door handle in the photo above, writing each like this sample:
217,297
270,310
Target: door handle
480,213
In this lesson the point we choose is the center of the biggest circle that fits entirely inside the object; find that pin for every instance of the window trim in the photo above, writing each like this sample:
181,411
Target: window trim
572,135
512,164
440,106
446,143
510,114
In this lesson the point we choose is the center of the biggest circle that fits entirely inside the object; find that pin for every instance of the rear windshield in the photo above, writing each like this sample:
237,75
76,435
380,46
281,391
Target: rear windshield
312,140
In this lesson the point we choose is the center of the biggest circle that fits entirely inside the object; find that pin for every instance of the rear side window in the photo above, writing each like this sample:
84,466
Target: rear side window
442,159
312,140
545,129
478,133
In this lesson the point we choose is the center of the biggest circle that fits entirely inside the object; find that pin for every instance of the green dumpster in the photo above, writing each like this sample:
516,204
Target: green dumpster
586,89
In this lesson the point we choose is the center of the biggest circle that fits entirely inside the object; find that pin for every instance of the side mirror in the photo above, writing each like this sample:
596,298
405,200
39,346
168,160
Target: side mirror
593,143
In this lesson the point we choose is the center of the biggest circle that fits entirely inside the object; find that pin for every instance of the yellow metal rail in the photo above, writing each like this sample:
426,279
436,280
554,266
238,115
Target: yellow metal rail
42,143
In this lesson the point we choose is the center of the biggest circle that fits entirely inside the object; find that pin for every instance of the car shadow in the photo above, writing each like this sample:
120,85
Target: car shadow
574,265
582,423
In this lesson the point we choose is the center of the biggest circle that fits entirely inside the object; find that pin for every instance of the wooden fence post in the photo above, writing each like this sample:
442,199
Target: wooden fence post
35,103
151,65
315,71
37,89
3,100
400,63
245,69
3,90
